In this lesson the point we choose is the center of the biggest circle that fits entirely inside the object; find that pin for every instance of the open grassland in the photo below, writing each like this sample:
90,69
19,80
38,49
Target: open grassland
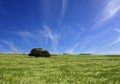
22,69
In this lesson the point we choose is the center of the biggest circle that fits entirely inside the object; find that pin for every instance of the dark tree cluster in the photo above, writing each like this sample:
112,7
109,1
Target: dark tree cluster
39,52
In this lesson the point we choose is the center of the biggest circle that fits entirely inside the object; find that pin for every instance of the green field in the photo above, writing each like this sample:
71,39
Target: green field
22,69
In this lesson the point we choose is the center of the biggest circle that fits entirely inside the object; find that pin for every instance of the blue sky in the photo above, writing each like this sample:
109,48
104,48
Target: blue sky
71,26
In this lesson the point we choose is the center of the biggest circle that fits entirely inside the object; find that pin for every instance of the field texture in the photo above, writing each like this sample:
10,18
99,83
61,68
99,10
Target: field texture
22,69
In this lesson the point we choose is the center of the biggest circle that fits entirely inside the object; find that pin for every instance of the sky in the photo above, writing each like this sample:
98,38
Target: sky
60,26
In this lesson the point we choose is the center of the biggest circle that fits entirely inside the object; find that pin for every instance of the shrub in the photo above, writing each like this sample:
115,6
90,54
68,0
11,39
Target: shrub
39,52
45,53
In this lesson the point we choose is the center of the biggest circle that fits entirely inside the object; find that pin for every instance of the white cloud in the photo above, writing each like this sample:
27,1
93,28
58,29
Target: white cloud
63,10
64,6
48,33
12,47
41,36
88,44
116,41
80,27
72,50
46,10
112,8
25,35
110,51
102,34
117,30
91,50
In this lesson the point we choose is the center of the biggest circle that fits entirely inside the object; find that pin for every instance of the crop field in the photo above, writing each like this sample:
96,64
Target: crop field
91,69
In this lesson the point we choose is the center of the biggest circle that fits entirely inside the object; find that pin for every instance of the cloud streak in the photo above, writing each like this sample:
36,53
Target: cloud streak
25,35
111,8
12,47
48,33
63,9
72,50
117,30
41,36
103,34
64,6
112,52
116,41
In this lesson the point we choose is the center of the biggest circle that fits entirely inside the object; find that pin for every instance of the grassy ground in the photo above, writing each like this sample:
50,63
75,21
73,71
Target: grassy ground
21,69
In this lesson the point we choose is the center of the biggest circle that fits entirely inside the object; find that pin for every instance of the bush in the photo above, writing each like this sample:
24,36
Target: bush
45,53
39,52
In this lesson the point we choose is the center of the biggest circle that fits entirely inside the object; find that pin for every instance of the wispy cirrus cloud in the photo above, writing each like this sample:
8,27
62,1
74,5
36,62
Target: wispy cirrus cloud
46,10
25,35
72,50
117,40
91,50
41,37
94,48
111,8
80,27
112,52
48,33
64,6
114,42
88,43
117,30
12,47
63,10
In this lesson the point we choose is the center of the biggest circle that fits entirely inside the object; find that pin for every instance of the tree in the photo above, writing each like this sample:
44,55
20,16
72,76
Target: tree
45,53
39,52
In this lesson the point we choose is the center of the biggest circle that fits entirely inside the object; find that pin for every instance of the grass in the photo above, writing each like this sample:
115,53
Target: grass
22,69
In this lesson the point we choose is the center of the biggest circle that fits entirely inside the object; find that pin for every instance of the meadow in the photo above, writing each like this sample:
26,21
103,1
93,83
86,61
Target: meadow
91,69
